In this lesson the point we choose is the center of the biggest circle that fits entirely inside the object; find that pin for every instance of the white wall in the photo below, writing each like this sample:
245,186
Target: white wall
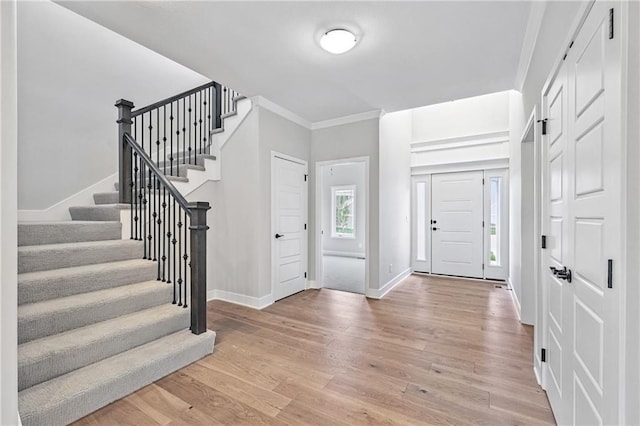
359,139
70,73
516,124
285,137
395,198
337,175
234,219
462,131
8,216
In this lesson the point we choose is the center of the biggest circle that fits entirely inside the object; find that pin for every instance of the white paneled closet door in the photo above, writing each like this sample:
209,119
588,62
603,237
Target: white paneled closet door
583,221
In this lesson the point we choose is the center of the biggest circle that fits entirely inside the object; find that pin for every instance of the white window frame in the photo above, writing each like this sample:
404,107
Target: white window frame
334,190
501,271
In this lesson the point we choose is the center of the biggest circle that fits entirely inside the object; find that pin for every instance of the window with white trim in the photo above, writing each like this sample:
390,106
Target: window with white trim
343,211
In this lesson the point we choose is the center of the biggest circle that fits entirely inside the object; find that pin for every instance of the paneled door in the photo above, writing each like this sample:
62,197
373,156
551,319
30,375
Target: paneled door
289,227
583,218
457,224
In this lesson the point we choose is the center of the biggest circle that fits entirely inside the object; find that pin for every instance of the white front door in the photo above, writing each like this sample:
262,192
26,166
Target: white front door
289,227
457,224
582,217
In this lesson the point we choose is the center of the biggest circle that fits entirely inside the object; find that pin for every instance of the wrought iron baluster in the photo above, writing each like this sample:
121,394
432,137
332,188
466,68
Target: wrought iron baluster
150,203
184,132
185,257
180,280
171,136
134,198
164,232
173,242
158,229
190,131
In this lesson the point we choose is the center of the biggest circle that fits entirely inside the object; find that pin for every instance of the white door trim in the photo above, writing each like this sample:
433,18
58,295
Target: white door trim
318,217
305,246
497,272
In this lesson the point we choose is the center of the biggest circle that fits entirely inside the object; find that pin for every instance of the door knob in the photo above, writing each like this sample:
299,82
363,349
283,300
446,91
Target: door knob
564,274
435,229
554,271
279,235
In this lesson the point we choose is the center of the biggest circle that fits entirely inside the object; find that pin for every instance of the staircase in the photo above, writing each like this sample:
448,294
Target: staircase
95,319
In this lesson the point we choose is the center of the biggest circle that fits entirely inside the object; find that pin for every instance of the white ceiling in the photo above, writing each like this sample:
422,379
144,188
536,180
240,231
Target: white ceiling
409,54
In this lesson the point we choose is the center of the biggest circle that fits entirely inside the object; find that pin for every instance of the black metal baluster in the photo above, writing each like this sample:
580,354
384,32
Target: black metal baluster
190,131
184,132
158,230
173,242
149,222
164,231
164,140
180,258
206,122
134,198
200,122
171,136
185,257
143,234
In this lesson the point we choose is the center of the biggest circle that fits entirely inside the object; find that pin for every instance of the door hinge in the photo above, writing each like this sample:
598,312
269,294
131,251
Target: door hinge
544,241
306,177
305,275
483,181
610,273
305,226
543,355
483,266
544,123
610,23
483,223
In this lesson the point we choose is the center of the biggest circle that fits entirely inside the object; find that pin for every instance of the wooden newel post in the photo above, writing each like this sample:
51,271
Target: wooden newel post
124,151
198,230
218,105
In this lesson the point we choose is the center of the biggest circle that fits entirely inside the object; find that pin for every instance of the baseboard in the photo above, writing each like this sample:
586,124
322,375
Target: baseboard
537,374
240,299
514,297
374,293
313,284
60,210
337,253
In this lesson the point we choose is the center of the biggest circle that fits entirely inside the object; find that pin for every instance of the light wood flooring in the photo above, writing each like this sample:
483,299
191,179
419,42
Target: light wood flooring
433,351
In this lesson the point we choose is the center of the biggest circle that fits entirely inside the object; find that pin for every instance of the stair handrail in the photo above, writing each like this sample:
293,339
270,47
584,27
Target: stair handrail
170,99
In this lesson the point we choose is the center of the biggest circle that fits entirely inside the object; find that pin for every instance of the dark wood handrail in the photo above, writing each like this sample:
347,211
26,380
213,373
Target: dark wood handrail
171,99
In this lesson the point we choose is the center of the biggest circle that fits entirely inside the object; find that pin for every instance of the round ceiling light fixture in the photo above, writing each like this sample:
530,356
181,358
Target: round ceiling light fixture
338,41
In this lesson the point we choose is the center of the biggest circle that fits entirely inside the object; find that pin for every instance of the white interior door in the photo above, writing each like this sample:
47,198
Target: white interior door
289,227
457,224
584,207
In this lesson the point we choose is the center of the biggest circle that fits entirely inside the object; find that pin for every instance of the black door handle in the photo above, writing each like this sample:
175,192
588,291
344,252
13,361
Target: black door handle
435,229
564,274
279,235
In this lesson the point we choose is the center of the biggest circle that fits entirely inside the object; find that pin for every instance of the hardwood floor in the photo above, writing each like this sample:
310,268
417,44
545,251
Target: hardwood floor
433,351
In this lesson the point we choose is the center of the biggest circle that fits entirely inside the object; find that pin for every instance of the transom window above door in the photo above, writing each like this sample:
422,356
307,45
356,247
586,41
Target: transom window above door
343,211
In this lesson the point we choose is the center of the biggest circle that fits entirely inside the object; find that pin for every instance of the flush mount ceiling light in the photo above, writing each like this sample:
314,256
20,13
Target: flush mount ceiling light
338,41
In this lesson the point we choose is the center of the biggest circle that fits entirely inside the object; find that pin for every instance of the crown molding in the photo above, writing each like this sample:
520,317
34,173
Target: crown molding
281,111
529,42
354,118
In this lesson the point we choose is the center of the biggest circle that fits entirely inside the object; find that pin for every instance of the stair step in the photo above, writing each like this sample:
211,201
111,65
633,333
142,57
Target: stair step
46,285
38,233
112,197
198,160
104,212
69,397
41,319
49,357
56,256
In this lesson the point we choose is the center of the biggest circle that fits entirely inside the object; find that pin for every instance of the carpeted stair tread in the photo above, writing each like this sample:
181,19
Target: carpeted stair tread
108,212
39,233
44,359
55,256
197,160
111,197
76,394
41,319
45,285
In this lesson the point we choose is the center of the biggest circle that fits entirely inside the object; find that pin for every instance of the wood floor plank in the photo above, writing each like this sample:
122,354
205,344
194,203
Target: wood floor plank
435,350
